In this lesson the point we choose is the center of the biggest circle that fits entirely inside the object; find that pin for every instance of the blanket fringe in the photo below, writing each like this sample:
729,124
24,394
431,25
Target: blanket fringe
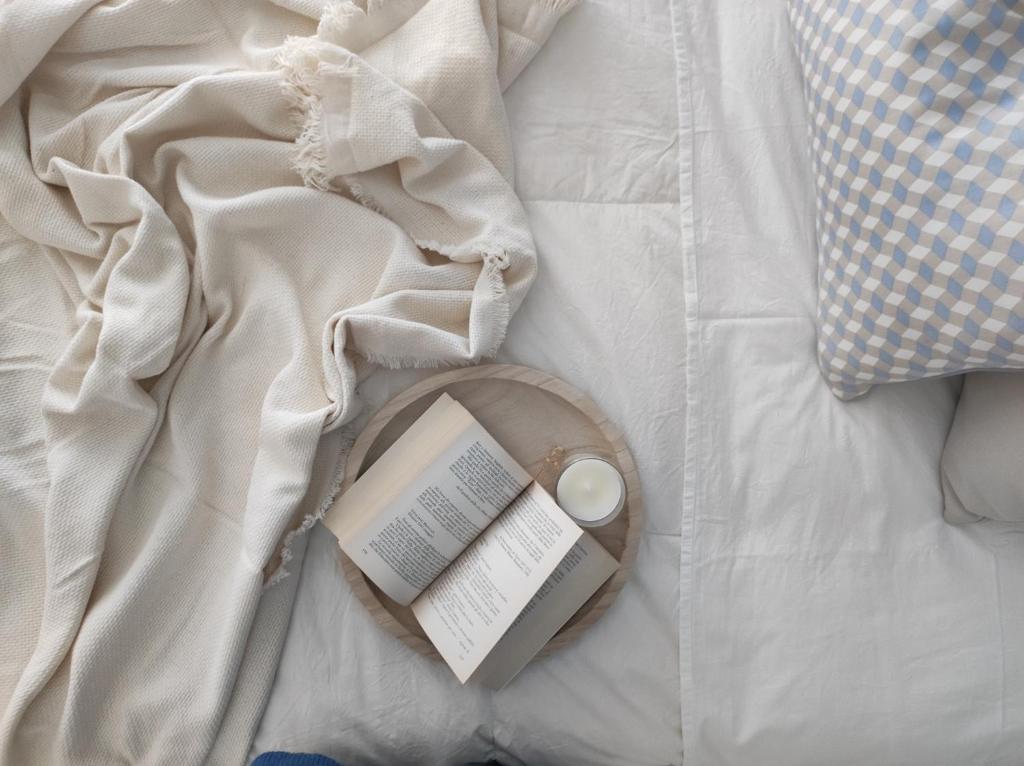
362,196
466,252
337,16
300,64
493,266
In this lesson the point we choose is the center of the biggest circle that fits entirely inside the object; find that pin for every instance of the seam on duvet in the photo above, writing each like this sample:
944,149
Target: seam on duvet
688,701
1002,645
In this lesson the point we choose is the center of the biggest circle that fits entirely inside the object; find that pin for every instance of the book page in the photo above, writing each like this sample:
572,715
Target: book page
425,500
583,570
468,608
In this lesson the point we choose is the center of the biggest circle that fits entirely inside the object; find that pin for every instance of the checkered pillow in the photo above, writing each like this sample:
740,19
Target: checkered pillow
917,134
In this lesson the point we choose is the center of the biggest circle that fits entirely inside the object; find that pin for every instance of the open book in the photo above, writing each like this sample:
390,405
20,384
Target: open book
448,522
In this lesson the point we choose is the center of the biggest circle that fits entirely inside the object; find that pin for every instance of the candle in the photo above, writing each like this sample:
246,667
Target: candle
591,490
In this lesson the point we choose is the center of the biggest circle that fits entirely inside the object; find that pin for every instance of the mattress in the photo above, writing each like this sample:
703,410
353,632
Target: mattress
797,597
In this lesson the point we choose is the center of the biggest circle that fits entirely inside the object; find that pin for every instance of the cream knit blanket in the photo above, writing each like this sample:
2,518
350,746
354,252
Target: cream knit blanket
215,313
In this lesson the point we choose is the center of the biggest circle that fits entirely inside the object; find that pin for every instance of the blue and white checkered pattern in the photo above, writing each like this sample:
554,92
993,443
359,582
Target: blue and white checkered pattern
917,133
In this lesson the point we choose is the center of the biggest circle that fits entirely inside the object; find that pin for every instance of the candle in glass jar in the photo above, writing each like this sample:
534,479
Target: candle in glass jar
591,490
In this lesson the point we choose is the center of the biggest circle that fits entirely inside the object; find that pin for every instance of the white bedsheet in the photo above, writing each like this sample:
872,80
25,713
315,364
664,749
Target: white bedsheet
798,598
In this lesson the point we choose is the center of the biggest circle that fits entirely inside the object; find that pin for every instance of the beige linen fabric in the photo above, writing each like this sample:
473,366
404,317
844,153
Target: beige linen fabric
183,320
983,460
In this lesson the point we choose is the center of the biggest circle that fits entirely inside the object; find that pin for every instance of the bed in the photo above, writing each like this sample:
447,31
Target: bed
798,598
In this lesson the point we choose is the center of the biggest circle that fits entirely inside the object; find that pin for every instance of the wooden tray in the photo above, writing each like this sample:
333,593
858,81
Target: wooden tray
541,421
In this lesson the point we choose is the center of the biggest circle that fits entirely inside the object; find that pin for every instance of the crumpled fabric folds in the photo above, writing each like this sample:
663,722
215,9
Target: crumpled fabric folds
214,218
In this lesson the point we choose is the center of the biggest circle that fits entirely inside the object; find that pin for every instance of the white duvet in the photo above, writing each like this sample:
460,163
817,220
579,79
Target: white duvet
798,598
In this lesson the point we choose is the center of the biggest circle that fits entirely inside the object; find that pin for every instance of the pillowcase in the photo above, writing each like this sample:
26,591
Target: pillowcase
917,139
983,461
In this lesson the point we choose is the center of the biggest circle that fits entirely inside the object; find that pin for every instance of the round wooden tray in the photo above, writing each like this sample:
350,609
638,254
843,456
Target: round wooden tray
542,422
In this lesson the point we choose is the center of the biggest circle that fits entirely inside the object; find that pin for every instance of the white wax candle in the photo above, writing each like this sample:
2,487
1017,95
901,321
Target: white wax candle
591,490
